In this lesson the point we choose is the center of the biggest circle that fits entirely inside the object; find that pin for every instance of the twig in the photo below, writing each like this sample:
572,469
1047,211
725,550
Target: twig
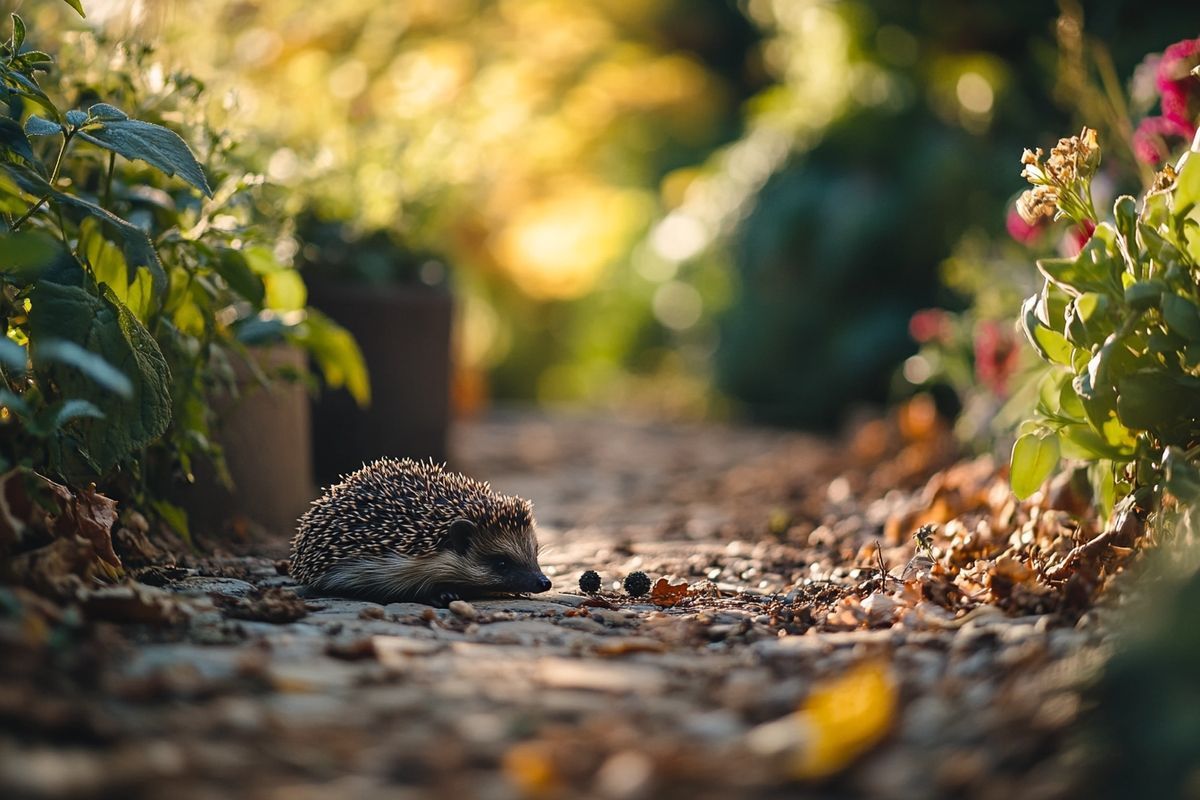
883,570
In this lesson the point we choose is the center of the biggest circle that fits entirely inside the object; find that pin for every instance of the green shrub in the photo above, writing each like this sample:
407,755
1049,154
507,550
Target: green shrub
130,275
1120,326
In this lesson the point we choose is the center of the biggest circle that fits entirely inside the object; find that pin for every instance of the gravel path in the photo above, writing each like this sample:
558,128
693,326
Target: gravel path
734,691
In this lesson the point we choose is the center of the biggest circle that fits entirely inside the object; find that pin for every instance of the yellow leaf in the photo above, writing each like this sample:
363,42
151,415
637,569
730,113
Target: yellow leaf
845,717
530,767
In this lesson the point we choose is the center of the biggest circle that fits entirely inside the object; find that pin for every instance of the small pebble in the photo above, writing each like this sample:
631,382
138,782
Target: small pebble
461,608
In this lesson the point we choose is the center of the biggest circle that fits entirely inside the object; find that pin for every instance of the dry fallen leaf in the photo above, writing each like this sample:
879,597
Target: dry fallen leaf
842,718
530,767
666,594
630,644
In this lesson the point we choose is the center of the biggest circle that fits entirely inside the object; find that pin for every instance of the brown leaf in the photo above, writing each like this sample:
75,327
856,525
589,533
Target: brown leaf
666,594
132,602
630,644
273,604
90,515
1011,569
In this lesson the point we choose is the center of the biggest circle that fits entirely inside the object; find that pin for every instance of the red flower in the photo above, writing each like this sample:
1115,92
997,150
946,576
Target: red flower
929,324
1078,236
1022,231
1154,139
996,355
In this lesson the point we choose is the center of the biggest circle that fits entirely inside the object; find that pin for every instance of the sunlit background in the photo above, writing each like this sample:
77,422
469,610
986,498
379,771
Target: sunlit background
683,207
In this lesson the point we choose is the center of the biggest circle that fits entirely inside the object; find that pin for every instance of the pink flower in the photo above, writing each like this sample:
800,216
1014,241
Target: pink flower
1180,89
1177,61
1154,139
1022,231
996,355
929,324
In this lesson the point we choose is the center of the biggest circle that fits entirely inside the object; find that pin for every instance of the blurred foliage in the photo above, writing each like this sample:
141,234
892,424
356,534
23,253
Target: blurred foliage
624,190
1140,730
879,149
521,142
1120,323
128,284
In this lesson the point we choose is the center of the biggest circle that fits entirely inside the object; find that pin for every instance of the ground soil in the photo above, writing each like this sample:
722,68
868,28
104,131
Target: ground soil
816,649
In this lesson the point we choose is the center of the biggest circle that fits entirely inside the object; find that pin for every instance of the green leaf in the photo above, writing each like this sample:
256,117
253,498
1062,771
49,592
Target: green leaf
1182,316
60,351
38,126
26,254
13,137
33,59
73,409
139,250
1103,478
18,34
1156,401
336,353
1158,247
1034,457
12,356
1056,347
109,267
285,290
1095,269
77,5
1081,442
1187,197
12,199
232,266
175,517
1143,295
1085,319
1182,477
103,112
103,326
27,88
1125,214
158,146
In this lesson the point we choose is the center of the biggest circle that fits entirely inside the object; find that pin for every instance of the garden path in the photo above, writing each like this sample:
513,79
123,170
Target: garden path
739,690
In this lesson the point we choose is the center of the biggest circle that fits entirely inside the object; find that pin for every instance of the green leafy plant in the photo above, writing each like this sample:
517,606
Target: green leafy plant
1119,327
131,274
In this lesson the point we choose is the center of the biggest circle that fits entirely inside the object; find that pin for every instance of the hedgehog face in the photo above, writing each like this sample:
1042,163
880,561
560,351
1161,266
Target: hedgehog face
496,558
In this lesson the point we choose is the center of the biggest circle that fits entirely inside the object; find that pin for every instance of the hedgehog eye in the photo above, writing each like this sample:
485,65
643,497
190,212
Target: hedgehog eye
500,564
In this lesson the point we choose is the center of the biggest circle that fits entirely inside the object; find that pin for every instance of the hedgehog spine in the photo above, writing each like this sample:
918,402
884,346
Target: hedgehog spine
403,529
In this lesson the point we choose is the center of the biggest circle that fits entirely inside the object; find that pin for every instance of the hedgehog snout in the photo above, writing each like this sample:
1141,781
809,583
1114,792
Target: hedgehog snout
533,582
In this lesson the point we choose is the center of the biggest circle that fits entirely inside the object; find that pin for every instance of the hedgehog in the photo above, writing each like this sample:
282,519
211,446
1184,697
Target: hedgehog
405,530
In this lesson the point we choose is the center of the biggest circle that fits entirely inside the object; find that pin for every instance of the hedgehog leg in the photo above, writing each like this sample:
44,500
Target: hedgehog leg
445,598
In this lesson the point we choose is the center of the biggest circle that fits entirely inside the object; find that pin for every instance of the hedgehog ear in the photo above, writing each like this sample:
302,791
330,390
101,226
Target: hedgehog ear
458,538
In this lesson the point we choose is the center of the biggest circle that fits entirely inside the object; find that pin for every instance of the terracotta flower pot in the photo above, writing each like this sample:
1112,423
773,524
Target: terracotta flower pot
266,433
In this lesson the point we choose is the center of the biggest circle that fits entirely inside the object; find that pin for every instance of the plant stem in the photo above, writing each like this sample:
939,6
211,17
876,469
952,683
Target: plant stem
53,177
107,198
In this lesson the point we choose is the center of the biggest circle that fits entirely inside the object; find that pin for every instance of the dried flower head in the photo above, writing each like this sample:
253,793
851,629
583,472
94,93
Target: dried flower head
1038,204
1062,183
1164,179
1073,158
